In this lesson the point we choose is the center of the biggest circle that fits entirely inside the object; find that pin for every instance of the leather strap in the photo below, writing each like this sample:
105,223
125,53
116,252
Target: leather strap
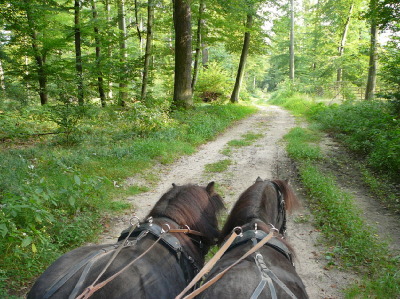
222,273
207,267
75,268
264,279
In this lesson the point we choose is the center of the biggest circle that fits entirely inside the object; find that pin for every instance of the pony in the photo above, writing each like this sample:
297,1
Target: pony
154,260
269,272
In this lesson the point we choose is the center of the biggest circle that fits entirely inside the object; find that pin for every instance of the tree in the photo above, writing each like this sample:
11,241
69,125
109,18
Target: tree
343,41
39,55
200,23
291,47
243,58
149,41
183,96
373,53
123,94
98,66
78,52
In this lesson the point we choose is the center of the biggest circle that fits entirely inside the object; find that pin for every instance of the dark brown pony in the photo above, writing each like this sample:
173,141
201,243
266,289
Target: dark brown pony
162,272
269,272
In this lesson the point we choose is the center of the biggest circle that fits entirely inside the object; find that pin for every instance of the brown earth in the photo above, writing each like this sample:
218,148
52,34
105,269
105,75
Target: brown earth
266,157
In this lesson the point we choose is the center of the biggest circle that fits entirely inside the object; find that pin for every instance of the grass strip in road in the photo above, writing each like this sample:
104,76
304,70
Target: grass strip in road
352,241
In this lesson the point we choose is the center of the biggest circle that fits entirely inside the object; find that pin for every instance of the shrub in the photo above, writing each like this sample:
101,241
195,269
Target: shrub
213,83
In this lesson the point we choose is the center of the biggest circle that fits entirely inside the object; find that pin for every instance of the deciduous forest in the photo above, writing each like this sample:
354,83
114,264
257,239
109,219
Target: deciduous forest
93,91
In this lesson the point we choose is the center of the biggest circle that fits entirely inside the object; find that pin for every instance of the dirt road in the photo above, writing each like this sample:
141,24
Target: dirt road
266,158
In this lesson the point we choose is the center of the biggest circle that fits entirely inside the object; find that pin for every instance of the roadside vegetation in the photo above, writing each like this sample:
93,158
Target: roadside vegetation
371,130
57,188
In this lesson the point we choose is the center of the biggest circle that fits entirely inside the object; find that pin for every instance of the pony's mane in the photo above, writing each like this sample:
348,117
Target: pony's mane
194,206
250,203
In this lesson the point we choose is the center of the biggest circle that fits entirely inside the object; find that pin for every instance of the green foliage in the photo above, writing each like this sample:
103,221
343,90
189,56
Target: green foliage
52,198
213,80
353,243
369,128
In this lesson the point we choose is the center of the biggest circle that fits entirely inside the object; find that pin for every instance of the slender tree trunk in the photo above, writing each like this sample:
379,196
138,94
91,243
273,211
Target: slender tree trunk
291,47
149,41
109,52
39,58
343,41
373,55
100,81
198,44
183,96
78,53
204,55
243,58
123,94
2,81
137,23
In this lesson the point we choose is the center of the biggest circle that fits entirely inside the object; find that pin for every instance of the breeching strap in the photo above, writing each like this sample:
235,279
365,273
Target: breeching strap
222,273
207,267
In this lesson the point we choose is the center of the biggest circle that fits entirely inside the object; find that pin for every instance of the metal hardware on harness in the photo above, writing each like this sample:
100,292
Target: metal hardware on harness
267,276
207,267
163,230
238,228
150,220
134,217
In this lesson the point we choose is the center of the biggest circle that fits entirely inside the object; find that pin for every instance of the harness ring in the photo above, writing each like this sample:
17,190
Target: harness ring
165,231
131,220
238,228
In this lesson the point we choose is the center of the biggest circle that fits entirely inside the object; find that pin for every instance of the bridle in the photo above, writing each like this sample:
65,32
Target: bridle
281,208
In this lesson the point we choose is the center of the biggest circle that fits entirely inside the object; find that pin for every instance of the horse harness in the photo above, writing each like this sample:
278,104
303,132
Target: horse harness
129,238
266,274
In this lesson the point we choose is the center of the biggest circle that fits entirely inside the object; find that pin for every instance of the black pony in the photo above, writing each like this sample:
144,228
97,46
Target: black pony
269,272
167,251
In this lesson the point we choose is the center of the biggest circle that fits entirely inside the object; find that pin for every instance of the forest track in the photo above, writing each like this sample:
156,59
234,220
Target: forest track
266,157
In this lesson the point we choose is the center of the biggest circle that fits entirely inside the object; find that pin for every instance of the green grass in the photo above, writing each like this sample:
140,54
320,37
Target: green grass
353,243
54,192
371,129
219,166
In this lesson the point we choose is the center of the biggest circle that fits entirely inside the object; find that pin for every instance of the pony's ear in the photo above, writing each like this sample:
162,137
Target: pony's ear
287,181
259,179
210,188
173,185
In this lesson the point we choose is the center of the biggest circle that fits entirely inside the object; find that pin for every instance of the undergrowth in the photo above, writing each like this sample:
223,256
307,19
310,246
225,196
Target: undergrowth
353,244
54,193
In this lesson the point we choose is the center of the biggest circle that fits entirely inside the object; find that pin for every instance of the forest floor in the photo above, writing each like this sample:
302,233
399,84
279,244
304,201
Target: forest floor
266,157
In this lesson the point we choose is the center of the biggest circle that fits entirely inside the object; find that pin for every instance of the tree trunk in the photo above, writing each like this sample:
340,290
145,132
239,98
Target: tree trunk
109,85
373,55
39,58
78,53
137,22
123,94
2,81
149,41
183,97
204,55
343,41
291,47
100,81
243,58
198,44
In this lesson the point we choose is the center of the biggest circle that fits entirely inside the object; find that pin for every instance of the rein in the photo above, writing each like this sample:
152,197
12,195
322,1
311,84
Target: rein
161,233
222,273
89,291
